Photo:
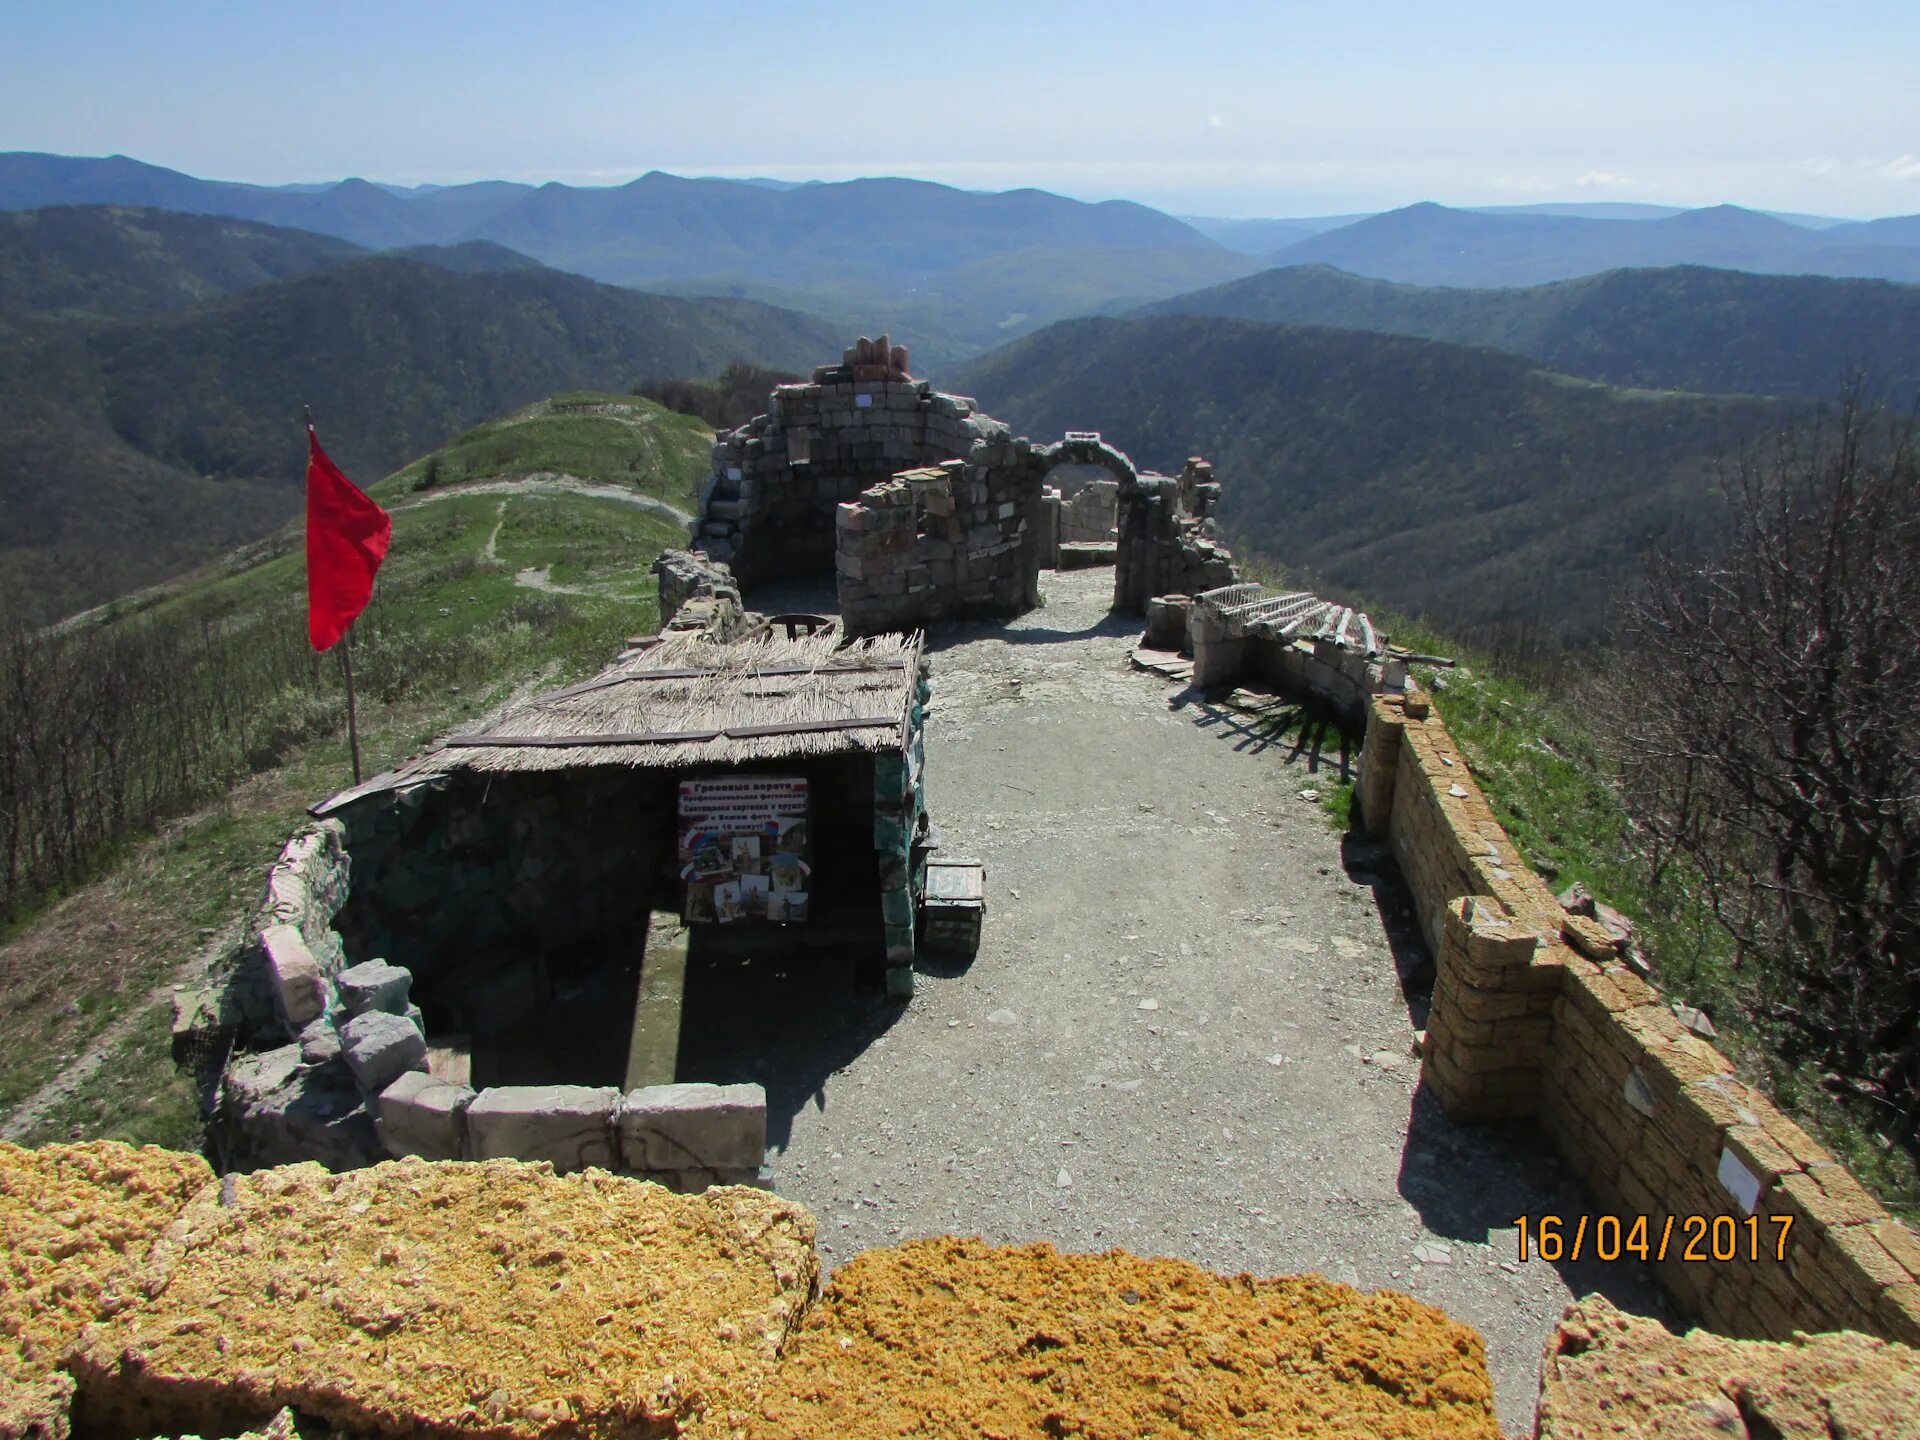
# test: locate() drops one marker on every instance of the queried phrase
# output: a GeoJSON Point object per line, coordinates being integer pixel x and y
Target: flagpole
{"type": "Point", "coordinates": [353, 721]}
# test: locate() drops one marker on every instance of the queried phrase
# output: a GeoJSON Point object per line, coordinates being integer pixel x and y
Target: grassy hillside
{"type": "Point", "coordinates": [1459, 483]}
{"type": "Point", "coordinates": [1687, 328]}
{"type": "Point", "coordinates": [132, 448]}
{"type": "Point", "coordinates": [516, 583]}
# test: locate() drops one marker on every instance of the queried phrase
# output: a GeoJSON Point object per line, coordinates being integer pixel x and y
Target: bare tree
{"type": "Point", "coordinates": [1773, 740]}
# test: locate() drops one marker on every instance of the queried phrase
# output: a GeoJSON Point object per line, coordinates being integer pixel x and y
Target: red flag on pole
{"type": "Point", "coordinates": [347, 537]}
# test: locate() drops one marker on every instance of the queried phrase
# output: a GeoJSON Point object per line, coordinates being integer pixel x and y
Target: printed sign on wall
{"type": "Point", "coordinates": [744, 849]}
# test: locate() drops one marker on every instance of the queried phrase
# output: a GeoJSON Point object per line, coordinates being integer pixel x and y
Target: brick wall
{"type": "Point", "coordinates": [1534, 1016]}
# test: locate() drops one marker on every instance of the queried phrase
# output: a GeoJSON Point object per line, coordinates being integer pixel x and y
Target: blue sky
{"type": "Point", "coordinates": [1200, 108]}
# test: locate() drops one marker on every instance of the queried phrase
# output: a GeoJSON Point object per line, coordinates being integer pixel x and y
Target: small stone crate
{"type": "Point", "coordinates": [954, 906]}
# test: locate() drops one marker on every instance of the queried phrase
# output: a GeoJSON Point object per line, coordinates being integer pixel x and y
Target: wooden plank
{"type": "Point", "coordinates": [664, 737]}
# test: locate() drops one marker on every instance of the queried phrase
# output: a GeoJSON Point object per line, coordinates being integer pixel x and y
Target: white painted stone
{"type": "Point", "coordinates": [374, 985]}
{"type": "Point", "coordinates": [1741, 1183]}
{"type": "Point", "coordinates": [1638, 1093]}
{"type": "Point", "coordinates": [299, 982]}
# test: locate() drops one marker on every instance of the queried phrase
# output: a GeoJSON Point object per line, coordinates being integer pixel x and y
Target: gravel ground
{"type": "Point", "coordinates": [1186, 1031]}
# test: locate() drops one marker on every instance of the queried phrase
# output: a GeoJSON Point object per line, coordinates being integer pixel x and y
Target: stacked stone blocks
{"type": "Point", "coordinates": [1535, 1015]}
{"type": "Point", "coordinates": [939, 542]}
{"type": "Point", "coordinates": [684, 1136]}
{"type": "Point", "coordinates": [768, 508]}
{"type": "Point", "coordinates": [899, 818]}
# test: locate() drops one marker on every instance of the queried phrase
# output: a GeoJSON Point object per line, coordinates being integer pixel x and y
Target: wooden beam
{"type": "Point", "coordinates": [665, 737]}
{"type": "Point", "coordinates": [692, 672]}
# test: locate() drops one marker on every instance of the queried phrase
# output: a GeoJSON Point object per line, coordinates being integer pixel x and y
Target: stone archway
{"type": "Point", "coordinates": [1086, 512]}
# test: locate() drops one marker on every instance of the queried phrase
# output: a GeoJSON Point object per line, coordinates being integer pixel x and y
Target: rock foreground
{"type": "Point", "coordinates": [140, 1296]}
{"type": "Point", "coordinates": [1607, 1374]}
{"type": "Point", "coordinates": [419, 1298]}
{"type": "Point", "coordinates": [956, 1337]}
{"type": "Point", "coordinates": [73, 1217]}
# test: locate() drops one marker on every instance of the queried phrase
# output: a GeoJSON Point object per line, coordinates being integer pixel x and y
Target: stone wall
{"type": "Point", "coordinates": [941, 542]}
{"type": "Point", "coordinates": [684, 1136]}
{"type": "Point", "coordinates": [1535, 1014]}
{"type": "Point", "coordinates": [1090, 516]}
{"type": "Point", "coordinates": [769, 508]}
{"type": "Point", "coordinates": [1164, 550]}
{"type": "Point", "coordinates": [458, 869]}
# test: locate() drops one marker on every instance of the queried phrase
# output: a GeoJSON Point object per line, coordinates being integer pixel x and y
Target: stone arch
{"type": "Point", "coordinates": [1086, 512]}
{"type": "Point", "coordinates": [1087, 448]}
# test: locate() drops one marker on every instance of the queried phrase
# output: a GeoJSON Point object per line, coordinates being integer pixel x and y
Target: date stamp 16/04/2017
{"type": "Point", "coordinates": [1701, 1239]}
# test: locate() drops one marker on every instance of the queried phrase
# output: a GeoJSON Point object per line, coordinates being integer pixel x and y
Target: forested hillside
{"type": "Point", "coordinates": [1686, 328]}
{"type": "Point", "coordinates": [1458, 483]}
{"type": "Point", "coordinates": [133, 448]}
{"type": "Point", "coordinates": [1428, 244]}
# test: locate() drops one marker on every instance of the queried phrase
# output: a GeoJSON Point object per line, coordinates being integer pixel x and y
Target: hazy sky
{"type": "Point", "coordinates": [1197, 107]}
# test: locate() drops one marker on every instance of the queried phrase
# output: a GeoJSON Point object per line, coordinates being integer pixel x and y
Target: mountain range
{"type": "Point", "coordinates": [1429, 244]}
{"type": "Point", "coordinates": [1685, 328]}
{"type": "Point", "coordinates": [954, 272]}
{"type": "Point", "coordinates": [949, 272]}
{"type": "Point", "coordinates": [1460, 484]}
{"type": "Point", "coordinates": [146, 429]}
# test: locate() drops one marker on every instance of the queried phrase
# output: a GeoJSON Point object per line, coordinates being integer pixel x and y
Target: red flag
{"type": "Point", "coordinates": [347, 536]}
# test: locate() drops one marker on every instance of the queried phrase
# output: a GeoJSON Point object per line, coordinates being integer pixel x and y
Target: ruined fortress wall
{"type": "Point", "coordinates": [1089, 517]}
{"type": "Point", "coordinates": [1534, 1015]}
{"type": "Point", "coordinates": [942, 542]}
{"type": "Point", "coordinates": [768, 510]}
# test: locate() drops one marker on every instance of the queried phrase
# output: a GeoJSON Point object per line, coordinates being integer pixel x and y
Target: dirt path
{"type": "Point", "coordinates": [550, 482]}
{"type": "Point", "coordinates": [22, 1119]}
{"type": "Point", "coordinates": [1185, 1033]}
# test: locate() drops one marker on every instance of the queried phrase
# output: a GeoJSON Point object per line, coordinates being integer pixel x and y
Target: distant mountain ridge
{"type": "Point", "coordinates": [1428, 244]}
{"type": "Point", "coordinates": [127, 261]}
{"type": "Point", "coordinates": [1464, 484]}
{"type": "Point", "coordinates": [1683, 328]}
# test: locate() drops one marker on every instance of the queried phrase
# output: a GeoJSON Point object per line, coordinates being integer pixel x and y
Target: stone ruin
{"type": "Point", "coordinates": [328, 1061]}
{"type": "Point", "coordinates": [923, 509]}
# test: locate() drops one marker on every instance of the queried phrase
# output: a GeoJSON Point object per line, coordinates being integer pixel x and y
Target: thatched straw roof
{"type": "Point", "coordinates": [687, 701]}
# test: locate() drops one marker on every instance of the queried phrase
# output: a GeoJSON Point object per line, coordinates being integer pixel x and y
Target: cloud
{"type": "Point", "coordinates": [1906, 167]}
{"type": "Point", "coordinates": [1603, 180]}
{"type": "Point", "coordinates": [1216, 122]}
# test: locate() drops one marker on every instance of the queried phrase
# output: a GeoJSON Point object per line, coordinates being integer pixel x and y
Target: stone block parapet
{"type": "Point", "coordinates": [1534, 1016]}
{"type": "Point", "coordinates": [685, 1136]}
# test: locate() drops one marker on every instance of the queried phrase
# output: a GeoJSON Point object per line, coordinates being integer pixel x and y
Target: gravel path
{"type": "Point", "coordinates": [1185, 1032]}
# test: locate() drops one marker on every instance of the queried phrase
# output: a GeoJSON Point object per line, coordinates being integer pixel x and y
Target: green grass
{"type": "Point", "coordinates": [1546, 778]}
{"type": "Point", "coordinates": [591, 435]}
{"type": "Point", "coordinates": [450, 633]}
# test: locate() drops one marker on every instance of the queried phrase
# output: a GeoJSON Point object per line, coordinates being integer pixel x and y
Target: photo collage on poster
{"type": "Point", "coordinates": [744, 849]}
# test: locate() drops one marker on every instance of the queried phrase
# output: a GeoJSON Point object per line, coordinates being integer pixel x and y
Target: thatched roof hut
{"type": "Point", "coordinates": [683, 701]}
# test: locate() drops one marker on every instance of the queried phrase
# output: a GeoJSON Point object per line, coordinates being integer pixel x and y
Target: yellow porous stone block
{"type": "Point", "coordinates": [420, 1299]}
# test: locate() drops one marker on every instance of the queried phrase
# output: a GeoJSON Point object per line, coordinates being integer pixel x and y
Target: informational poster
{"type": "Point", "coordinates": [744, 849]}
